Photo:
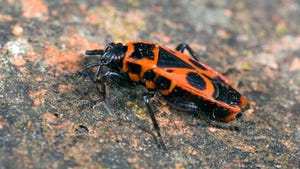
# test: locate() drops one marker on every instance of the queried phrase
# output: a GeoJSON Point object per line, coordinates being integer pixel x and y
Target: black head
{"type": "Point", "coordinates": [112, 55]}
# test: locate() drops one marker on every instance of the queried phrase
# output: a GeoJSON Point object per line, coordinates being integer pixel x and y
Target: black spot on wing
{"type": "Point", "coordinates": [227, 94]}
{"type": "Point", "coordinates": [196, 81]}
{"type": "Point", "coordinates": [134, 68]}
{"type": "Point", "coordinates": [216, 91]}
{"type": "Point", "coordinates": [223, 92]}
{"type": "Point", "coordinates": [170, 70]}
{"type": "Point", "coordinates": [215, 82]}
{"type": "Point", "coordinates": [162, 83]}
{"type": "Point", "coordinates": [136, 54]}
{"type": "Point", "coordinates": [142, 50]}
{"type": "Point", "coordinates": [167, 59]}
{"type": "Point", "coordinates": [149, 75]}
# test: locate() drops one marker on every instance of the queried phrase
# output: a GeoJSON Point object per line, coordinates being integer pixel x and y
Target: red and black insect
{"type": "Point", "coordinates": [183, 80]}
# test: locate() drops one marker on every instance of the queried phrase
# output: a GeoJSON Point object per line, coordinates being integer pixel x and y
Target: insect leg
{"type": "Point", "coordinates": [147, 99]}
{"type": "Point", "coordinates": [182, 46]}
{"type": "Point", "coordinates": [120, 78]}
{"type": "Point", "coordinates": [92, 77]}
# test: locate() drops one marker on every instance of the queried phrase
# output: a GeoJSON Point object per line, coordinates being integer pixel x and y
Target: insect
{"type": "Point", "coordinates": [181, 79]}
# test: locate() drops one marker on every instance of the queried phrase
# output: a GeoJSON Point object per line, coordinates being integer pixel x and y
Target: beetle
{"type": "Point", "coordinates": [181, 79]}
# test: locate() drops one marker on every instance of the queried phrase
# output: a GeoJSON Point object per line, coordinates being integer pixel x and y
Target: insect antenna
{"type": "Point", "coordinates": [94, 52]}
